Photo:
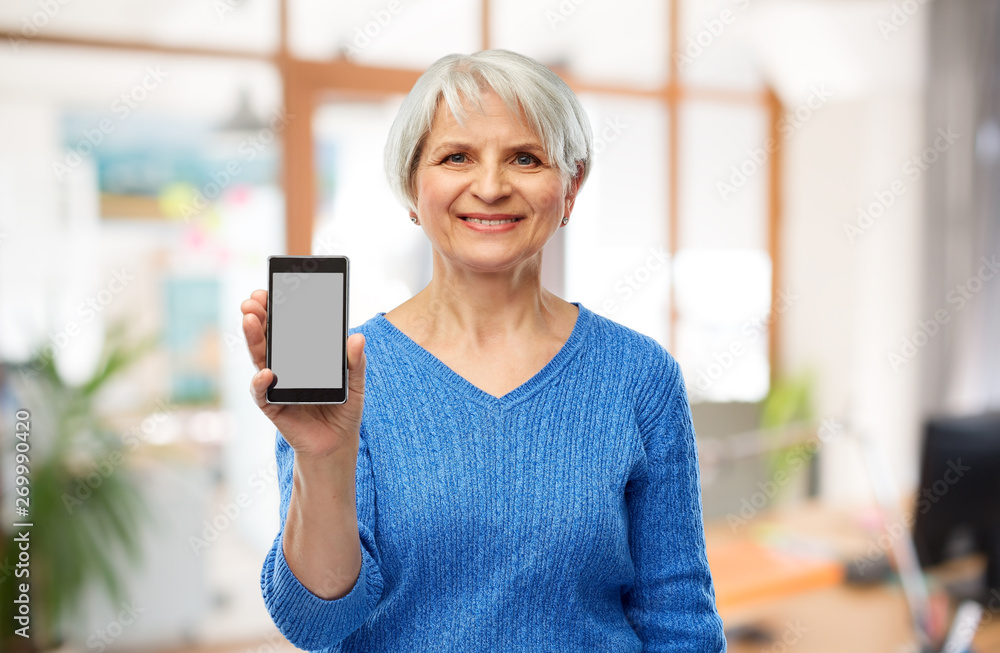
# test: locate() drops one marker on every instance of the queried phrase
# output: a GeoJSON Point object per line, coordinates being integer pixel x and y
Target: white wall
{"type": "Point", "coordinates": [857, 298]}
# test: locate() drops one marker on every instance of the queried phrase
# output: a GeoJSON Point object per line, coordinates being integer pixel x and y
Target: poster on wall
{"type": "Point", "coordinates": [163, 167]}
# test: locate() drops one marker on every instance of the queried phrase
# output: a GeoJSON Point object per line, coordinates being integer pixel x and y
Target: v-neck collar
{"type": "Point", "coordinates": [580, 330]}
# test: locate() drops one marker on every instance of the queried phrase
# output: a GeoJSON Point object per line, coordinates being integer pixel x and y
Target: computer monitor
{"type": "Point", "coordinates": [958, 502]}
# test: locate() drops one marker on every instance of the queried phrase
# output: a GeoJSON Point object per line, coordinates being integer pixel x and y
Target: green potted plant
{"type": "Point", "coordinates": [85, 505]}
{"type": "Point", "coordinates": [789, 401]}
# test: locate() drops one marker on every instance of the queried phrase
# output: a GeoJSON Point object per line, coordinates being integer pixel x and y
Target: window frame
{"type": "Point", "coordinates": [306, 83]}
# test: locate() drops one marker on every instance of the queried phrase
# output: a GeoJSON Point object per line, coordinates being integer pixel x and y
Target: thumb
{"type": "Point", "coordinates": [356, 362]}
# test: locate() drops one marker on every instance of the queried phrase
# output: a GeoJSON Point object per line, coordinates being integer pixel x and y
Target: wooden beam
{"type": "Point", "coordinates": [673, 166]}
{"type": "Point", "coordinates": [722, 96]}
{"type": "Point", "coordinates": [283, 39]}
{"type": "Point", "coordinates": [341, 73]}
{"type": "Point", "coordinates": [134, 46]}
{"type": "Point", "coordinates": [344, 75]}
{"type": "Point", "coordinates": [298, 168]}
{"type": "Point", "coordinates": [485, 24]}
{"type": "Point", "coordinates": [774, 211]}
{"type": "Point", "coordinates": [669, 92]}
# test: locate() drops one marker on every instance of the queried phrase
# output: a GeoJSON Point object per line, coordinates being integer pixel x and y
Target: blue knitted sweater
{"type": "Point", "coordinates": [563, 516]}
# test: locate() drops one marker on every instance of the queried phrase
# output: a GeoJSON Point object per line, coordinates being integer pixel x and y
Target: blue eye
{"type": "Point", "coordinates": [526, 159]}
{"type": "Point", "coordinates": [451, 158]}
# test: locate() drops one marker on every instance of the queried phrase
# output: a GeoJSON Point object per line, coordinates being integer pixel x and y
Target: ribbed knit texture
{"type": "Point", "coordinates": [563, 516]}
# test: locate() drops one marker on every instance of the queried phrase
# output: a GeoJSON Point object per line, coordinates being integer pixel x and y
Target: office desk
{"type": "Point", "coordinates": [830, 617]}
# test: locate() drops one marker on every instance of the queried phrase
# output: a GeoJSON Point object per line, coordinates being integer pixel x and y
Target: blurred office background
{"type": "Point", "coordinates": [796, 197]}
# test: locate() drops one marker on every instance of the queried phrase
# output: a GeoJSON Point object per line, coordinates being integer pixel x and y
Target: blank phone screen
{"type": "Point", "coordinates": [307, 323]}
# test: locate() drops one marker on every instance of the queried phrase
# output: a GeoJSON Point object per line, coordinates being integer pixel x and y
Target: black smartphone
{"type": "Point", "coordinates": [307, 329]}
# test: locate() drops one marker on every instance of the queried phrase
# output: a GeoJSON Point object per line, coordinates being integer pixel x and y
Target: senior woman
{"type": "Point", "coordinates": [511, 471]}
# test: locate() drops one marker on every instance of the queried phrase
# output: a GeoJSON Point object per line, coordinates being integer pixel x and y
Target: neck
{"type": "Point", "coordinates": [486, 307]}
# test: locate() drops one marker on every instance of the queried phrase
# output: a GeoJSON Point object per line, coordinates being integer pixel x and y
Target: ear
{"type": "Point", "coordinates": [574, 188]}
{"type": "Point", "coordinates": [413, 214]}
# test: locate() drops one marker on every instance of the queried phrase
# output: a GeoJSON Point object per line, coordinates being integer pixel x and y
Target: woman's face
{"type": "Point", "coordinates": [494, 168]}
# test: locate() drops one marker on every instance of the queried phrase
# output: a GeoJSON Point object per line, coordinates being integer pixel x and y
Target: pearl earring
{"type": "Point", "coordinates": [565, 220]}
{"type": "Point", "coordinates": [414, 220]}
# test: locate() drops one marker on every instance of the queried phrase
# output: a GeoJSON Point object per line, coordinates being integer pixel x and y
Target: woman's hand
{"type": "Point", "coordinates": [314, 431]}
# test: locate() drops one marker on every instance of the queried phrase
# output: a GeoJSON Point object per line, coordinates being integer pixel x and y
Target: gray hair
{"type": "Point", "coordinates": [552, 109]}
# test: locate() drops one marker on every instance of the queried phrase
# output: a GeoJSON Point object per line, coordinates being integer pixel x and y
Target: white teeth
{"type": "Point", "coordinates": [478, 221]}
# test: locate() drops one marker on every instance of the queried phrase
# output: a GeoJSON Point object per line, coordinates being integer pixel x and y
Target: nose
{"type": "Point", "coordinates": [490, 183]}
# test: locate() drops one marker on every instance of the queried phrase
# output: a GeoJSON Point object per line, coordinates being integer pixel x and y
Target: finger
{"type": "Point", "coordinates": [258, 388]}
{"type": "Point", "coordinates": [260, 296]}
{"type": "Point", "coordinates": [356, 363]}
{"type": "Point", "coordinates": [253, 307]}
{"type": "Point", "coordinates": [253, 332]}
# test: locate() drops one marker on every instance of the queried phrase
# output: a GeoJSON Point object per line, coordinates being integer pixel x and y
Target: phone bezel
{"type": "Point", "coordinates": [279, 264]}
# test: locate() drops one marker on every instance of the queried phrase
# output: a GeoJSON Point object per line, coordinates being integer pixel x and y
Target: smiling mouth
{"type": "Point", "coordinates": [489, 222]}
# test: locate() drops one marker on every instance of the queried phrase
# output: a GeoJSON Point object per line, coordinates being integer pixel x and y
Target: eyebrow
{"type": "Point", "coordinates": [519, 147]}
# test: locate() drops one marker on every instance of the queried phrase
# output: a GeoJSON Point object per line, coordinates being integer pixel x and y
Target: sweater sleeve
{"type": "Point", "coordinates": [306, 620]}
{"type": "Point", "coordinates": [671, 605]}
